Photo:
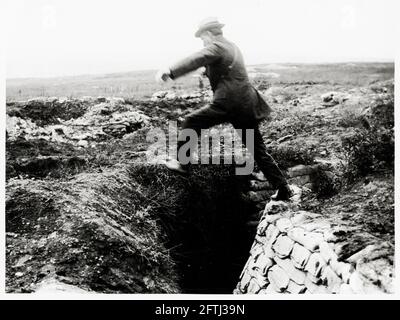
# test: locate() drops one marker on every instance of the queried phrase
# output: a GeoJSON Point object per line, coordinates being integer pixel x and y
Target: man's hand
{"type": "Point", "coordinates": [163, 75]}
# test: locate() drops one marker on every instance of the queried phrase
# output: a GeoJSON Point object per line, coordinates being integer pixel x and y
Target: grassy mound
{"type": "Point", "coordinates": [43, 112]}
{"type": "Point", "coordinates": [90, 232]}
{"type": "Point", "coordinates": [371, 149]}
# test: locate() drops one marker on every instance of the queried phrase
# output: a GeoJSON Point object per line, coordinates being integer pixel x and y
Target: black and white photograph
{"type": "Point", "coordinates": [236, 149]}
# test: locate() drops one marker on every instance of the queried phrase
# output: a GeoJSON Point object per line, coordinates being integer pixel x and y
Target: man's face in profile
{"type": "Point", "coordinates": [206, 37]}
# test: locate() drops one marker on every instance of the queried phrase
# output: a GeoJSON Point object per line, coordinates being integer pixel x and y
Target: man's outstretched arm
{"type": "Point", "coordinates": [208, 55]}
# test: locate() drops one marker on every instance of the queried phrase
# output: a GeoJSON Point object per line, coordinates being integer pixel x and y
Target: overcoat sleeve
{"type": "Point", "coordinates": [206, 56]}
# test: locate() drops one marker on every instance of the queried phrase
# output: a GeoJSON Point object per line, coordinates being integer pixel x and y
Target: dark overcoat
{"type": "Point", "coordinates": [229, 81]}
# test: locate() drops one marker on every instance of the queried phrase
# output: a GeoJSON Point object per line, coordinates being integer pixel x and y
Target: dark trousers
{"type": "Point", "coordinates": [212, 114]}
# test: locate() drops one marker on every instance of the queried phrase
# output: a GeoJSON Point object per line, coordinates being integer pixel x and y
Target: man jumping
{"type": "Point", "coordinates": [235, 100]}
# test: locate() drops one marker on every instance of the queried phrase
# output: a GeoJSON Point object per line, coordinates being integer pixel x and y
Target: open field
{"type": "Point", "coordinates": [141, 84]}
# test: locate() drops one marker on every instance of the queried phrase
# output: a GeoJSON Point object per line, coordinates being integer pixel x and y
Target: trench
{"type": "Point", "coordinates": [211, 238]}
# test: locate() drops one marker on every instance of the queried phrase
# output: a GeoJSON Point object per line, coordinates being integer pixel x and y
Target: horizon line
{"type": "Point", "coordinates": [147, 70]}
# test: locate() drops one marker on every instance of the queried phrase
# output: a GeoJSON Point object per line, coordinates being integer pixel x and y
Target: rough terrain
{"type": "Point", "coordinates": [88, 210]}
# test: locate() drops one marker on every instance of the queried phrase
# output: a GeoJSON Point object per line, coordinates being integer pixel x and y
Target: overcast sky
{"type": "Point", "coordinates": [70, 37]}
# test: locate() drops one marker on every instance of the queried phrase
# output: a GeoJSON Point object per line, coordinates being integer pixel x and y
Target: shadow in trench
{"type": "Point", "coordinates": [212, 242]}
